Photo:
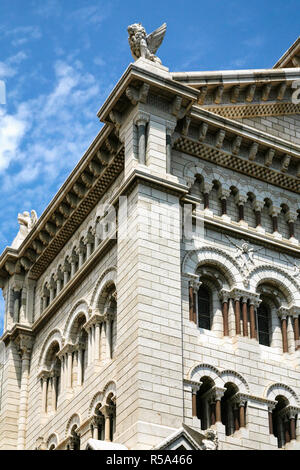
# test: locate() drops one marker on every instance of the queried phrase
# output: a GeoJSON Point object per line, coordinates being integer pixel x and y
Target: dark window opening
{"type": "Point", "coordinates": [204, 308]}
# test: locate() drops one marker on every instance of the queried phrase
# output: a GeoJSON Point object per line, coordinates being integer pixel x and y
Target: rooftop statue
{"type": "Point", "coordinates": [145, 46]}
{"type": "Point", "coordinates": [26, 222]}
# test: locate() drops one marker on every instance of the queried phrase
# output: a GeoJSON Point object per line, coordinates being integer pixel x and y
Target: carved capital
{"type": "Point", "coordinates": [141, 118]}
{"type": "Point", "coordinates": [24, 343]}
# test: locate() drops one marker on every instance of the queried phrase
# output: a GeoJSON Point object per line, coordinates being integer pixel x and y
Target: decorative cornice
{"type": "Point", "coordinates": [71, 205]}
{"type": "Point", "coordinates": [241, 165]}
{"type": "Point", "coordinates": [255, 110]}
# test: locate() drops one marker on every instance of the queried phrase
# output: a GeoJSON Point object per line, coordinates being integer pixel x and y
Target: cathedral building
{"type": "Point", "coordinates": [155, 303]}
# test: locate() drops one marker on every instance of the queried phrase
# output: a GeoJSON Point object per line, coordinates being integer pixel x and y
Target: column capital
{"type": "Point", "coordinates": [195, 387]}
{"type": "Point", "coordinates": [170, 127]}
{"type": "Point", "coordinates": [96, 420]}
{"type": "Point", "coordinates": [292, 411]}
{"type": "Point", "coordinates": [66, 349]}
{"type": "Point", "coordinates": [254, 300]}
{"type": "Point", "coordinates": [223, 193]}
{"type": "Point", "coordinates": [258, 205]}
{"type": "Point", "coordinates": [141, 118]}
{"type": "Point", "coordinates": [24, 343]}
{"type": "Point", "coordinates": [291, 216]}
{"type": "Point", "coordinates": [96, 318]}
{"type": "Point", "coordinates": [107, 410]}
{"type": "Point", "coordinates": [274, 211]}
{"type": "Point", "coordinates": [224, 295]}
{"type": "Point", "coordinates": [219, 392]}
{"type": "Point", "coordinates": [66, 267]}
{"type": "Point", "coordinates": [239, 399]}
{"type": "Point", "coordinates": [43, 374]}
{"type": "Point", "coordinates": [241, 199]}
{"type": "Point", "coordinates": [195, 284]}
{"type": "Point", "coordinates": [207, 187]}
{"type": "Point", "coordinates": [283, 313]}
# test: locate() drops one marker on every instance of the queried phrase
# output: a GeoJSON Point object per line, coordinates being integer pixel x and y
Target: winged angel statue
{"type": "Point", "coordinates": [26, 222]}
{"type": "Point", "coordinates": [145, 46]}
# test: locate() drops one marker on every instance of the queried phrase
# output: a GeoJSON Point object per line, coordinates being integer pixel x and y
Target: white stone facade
{"type": "Point", "coordinates": [104, 336]}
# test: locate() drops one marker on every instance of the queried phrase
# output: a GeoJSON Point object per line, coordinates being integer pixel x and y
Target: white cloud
{"type": "Point", "coordinates": [47, 135]}
{"type": "Point", "coordinates": [23, 34]}
{"type": "Point", "coordinates": [12, 130]}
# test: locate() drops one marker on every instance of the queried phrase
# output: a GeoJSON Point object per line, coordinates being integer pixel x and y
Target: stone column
{"type": "Point", "coordinates": [219, 392]}
{"type": "Point", "coordinates": [206, 189]}
{"type": "Point", "coordinates": [67, 269]}
{"type": "Point", "coordinates": [17, 298]}
{"type": "Point", "coordinates": [69, 369]}
{"type": "Point", "coordinates": [63, 371]}
{"type": "Point", "coordinates": [54, 390]}
{"type": "Point", "coordinates": [291, 217]}
{"type": "Point", "coordinates": [25, 347]}
{"type": "Point", "coordinates": [257, 207]}
{"type": "Point", "coordinates": [169, 132]}
{"type": "Point", "coordinates": [270, 417]}
{"type": "Point", "coordinates": [274, 212]}
{"type": "Point", "coordinates": [290, 334]}
{"type": "Point", "coordinates": [195, 389]}
{"type": "Point", "coordinates": [245, 316]}
{"type": "Point", "coordinates": [253, 333]}
{"type": "Point", "coordinates": [44, 379]}
{"type": "Point", "coordinates": [193, 291]}
{"type": "Point", "coordinates": [90, 339]}
{"type": "Point", "coordinates": [283, 318]}
{"type": "Point", "coordinates": [237, 313]}
{"type": "Point", "coordinates": [89, 240]}
{"type": "Point", "coordinates": [191, 303]}
{"type": "Point", "coordinates": [108, 320]}
{"type": "Point", "coordinates": [241, 200]}
{"type": "Point", "coordinates": [224, 195]}
{"type": "Point", "coordinates": [242, 413]}
{"type": "Point", "coordinates": [296, 332]}
{"type": "Point", "coordinates": [107, 412]}
{"type": "Point", "coordinates": [141, 122]}
{"type": "Point", "coordinates": [97, 340]}
{"type": "Point", "coordinates": [81, 255]}
{"type": "Point", "coordinates": [236, 417]}
{"type": "Point", "coordinates": [59, 281]}
{"type": "Point", "coordinates": [74, 258]}
{"type": "Point", "coordinates": [79, 365]}
{"type": "Point", "coordinates": [52, 289]}
{"type": "Point", "coordinates": [224, 299]}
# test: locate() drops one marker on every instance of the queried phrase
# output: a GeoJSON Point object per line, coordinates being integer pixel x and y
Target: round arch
{"type": "Point", "coordinates": [81, 307]}
{"type": "Point", "coordinates": [108, 277]}
{"type": "Point", "coordinates": [276, 389]}
{"type": "Point", "coordinates": [215, 257]}
{"type": "Point", "coordinates": [234, 377]}
{"type": "Point", "coordinates": [97, 399]}
{"type": "Point", "coordinates": [52, 440]}
{"type": "Point", "coordinates": [202, 370]}
{"type": "Point", "coordinates": [53, 337]}
{"type": "Point", "coordinates": [286, 283]}
{"type": "Point", "coordinates": [110, 389]}
{"type": "Point", "coordinates": [74, 420]}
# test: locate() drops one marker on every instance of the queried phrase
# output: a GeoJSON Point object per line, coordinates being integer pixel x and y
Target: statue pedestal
{"type": "Point", "coordinates": [154, 67]}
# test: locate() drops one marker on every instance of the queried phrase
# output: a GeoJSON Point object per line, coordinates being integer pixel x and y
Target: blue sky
{"type": "Point", "coordinates": [60, 58]}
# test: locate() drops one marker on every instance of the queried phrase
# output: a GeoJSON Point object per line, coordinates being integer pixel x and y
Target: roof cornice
{"type": "Point", "coordinates": [290, 57]}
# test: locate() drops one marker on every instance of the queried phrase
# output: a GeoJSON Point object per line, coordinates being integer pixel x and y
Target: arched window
{"type": "Point", "coordinates": [204, 409]}
{"type": "Point", "coordinates": [74, 440]}
{"type": "Point", "coordinates": [51, 382]}
{"type": "Point", "coordinates": [79, 339]}
{"type": "Point", "coordinates": [204, 307]}
{"type": "Point", "coordinates": [264, 324]}
{"type": "Point", "coordinates": [280, 422]}
{"type": "Point", "coordinates": [230, 410]}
